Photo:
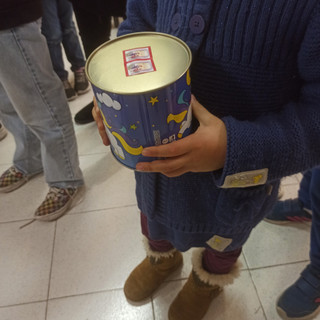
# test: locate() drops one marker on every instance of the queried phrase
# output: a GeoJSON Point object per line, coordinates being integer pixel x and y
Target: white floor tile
{"type": "Point", "coordinates": [22, 203]}
{"type": "Point", "coordinates": [299, 176]}
{"type": "Point", "coordinates": [270, 244]}
{"type": "Point", "coordinates": [7, 147]}
{"type": "Point", "coordinates": [100, 306]}
{"type": "Point", "coordinates": [80, 102]}
{"type": "Point", "coordinates": [290, 180]}
{"type": "Point", "coordinates": [290, 191]}
{"type": "Point", "coordinates": [25, 262]}
{"type": "Point", "coordinates": [271, 282]}
{"type": "Point", "coordinates": [163, 297]}
{"type": "Point", "coordinates": [89, 141]}
{"type": "Point", "coordinates": [108, 183]}
{"type": "Point", "coordinates": [32, 311]}
{"type": "Point", "coordinates": [95, 251]}
{"type": "Point", "coordinates": [237, 301]}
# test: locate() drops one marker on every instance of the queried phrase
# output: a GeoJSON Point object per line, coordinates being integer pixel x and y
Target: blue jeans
{"type": "Point", "coordinates": [58, 28]}
{"type": "Point", "coordinates": [33, 107]}
{"type": "Point", "coordinates": [309, 195]}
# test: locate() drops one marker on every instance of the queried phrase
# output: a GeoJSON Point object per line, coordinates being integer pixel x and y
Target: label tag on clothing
{"type": "Point", "coordinates": [219, 243]}
{"type": "Point", "coordinates": [246, 179]}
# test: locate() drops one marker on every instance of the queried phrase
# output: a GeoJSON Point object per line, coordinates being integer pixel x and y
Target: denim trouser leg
{"type": "Point", "coordinates": [38, 97]}
{"type": "Point", "coordinates": [58, 28]}
{"type": "Point", "coordinates": [27, 156]}
{"type": "Point", "coordinates": [315, 226]}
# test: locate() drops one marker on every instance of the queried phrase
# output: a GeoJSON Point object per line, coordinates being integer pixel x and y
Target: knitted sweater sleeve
{"type": "Point", "coordinates": [141, 16]}
{"type": "Point", "coordinates": [284, 142]}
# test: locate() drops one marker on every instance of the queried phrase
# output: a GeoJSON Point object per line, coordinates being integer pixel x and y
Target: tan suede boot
{"type": "Point", "coordinates": [151, 273]}
{"type": "Point", "coordinates": [193, 301]}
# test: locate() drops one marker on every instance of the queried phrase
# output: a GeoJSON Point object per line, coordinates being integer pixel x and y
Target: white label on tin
{"type": "Point", "coordinates": [138, 60]}
{"type": "Point", "coordinates": [157, 138]}
{"type": "Point", "coordinates": [170, 139]}
{"type": "Point", "coordinates": [158, 141]}
{"type": "Point", "coordinates": [138, 54]}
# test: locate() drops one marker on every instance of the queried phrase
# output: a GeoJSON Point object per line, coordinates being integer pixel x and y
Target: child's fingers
{"type": "Point", "coordinates": [197, 109]}
{"type": "Point", "coordinates": [173, 149]}
{"type": "Point", "coordinates": [99, 121]}
{"type": "Point", "coordinates": [169, 167]}
{"type": "Point", "coordinates": [200, 113]}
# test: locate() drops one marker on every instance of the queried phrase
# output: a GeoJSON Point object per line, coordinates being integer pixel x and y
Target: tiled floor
{"type": "Point", "coordinates": [75, 268]}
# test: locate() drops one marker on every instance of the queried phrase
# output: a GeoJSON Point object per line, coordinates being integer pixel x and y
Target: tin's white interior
{"type": "Point", "coordinates": [106, 66]}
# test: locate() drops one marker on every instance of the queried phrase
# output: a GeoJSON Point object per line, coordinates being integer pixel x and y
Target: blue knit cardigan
{"type": "Point", "coordinates": [256, 66]}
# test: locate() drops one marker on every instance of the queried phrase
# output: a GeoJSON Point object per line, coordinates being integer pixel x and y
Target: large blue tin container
{"type": "Point", "coordinates": [142, 85]}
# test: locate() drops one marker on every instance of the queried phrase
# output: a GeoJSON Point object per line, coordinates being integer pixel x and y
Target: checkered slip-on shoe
{"type": "Point", "coordinates": [57, 202]}
{"type": "Point", "coordinates": [287, 211]}
{"type": "Point", "coordinates": [12, 179]}
{"type": "Point", "coordinates": [301, 301]}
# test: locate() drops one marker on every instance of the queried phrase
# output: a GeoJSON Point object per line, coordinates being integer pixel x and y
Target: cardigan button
{"type": "Point", "coordinates": [176, 21]}
{"type": "Point", "coordinates": [197, 24]}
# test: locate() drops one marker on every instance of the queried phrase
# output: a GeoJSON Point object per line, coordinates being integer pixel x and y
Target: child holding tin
{"type": "Point", "coordinates": [256, 77]}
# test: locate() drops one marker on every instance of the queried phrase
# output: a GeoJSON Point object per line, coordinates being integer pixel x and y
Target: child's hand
{"type": "Point", "coordinates": [99, 121]}
{"type": "Point", "coordinates": [205, 150]}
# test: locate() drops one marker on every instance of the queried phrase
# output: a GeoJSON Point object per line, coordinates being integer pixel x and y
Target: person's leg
{"type": "Point", "coordinates": [155, 245]}
{"type": "Point", "coordinates": [37, 95]}
{"type": "Point", "coordinates": [293, 210]}
{"type": "Point", "coordinates": [211, 271]}
{"type": "Point", "coordinates": [219, 262]}
{"type": "Point", "coordinates": [70, 39]}
{"type": "Point", "coordinates": [161, 261]}
{"type": "Point", "coordinates": [51, 29]}
{"type": "Point", "coordinates": [27, 156]}
{"type": "Point", "coordinates": [94, 28]}
{"type": "Point", "coordinates": [302, 299]}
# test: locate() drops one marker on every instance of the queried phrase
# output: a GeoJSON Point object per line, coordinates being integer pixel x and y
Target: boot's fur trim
{"type": "Point", "coordinates": [211, 278]}
{"type": "Point", "coordinates": [157, 255]}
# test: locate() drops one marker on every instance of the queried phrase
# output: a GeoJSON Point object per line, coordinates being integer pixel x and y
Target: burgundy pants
{"type": "Point", "coordinates": [212, 261]}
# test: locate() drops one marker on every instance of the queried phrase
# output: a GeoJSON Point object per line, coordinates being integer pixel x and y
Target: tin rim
{"type": "Point", "coordinates": [185, 46]}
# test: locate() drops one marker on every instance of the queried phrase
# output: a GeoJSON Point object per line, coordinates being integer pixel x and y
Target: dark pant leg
{"type": "Point", "coordinates": [70, 39]}
{"type": "Point", "coordinates": [94, 28]}
{"type": "Point", "coordinates": [219, 262]}
{"type": "Point", "coordinates": [51, 29]}
{"type": "Point", "coordinates": [155, 245]}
